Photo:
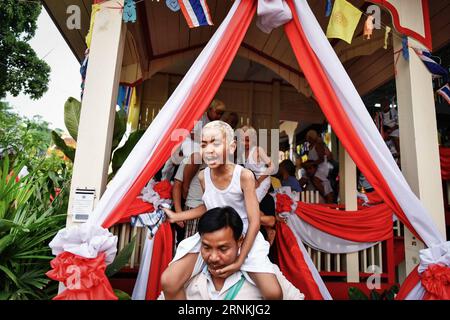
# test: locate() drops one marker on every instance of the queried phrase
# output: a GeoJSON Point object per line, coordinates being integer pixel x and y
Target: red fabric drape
{"type": "Point", "coordinates": [138, 206]}
{"type": "Point", "coordinates": [444, 154]}
{"type": "Point", "coordinates": [195, 104]}
{"type": "Point", "coordinates": [162, 255]}
{"type": "Point", "coordinates": [371, 224]}
{"type": "Point", "coordinates": [293, 265]}
{"type": "Point", "coordinates": [409, 284]}
{"type": "Point", "coordinates": [336, 116]}
{"type": "Point", "coordinates": [84, 278]}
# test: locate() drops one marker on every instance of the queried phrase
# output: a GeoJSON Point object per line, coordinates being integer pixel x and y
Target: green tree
{"type": "Point", "coordinates": [21, 70]}
{"type": "Point", "coordinates": [29, 139]}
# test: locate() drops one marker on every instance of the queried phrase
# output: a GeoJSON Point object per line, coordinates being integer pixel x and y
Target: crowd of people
{"type": "Point", "coordinates": [221, 166]}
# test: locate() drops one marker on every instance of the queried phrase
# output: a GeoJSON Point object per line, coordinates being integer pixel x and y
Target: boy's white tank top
{"type": "Point", "coordinates": [232, 195]}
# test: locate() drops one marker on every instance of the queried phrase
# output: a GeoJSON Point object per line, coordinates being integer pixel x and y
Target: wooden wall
{"type": "Point", "coordinates": [255, 103]}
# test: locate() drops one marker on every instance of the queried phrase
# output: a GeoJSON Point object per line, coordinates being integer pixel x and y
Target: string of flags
{"type": "Point", "coordinates": [344, 19]}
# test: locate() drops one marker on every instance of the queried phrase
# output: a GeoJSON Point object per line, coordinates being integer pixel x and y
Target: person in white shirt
{"type": "Point", "coordinates": [221, 238]}
{"type": "Point", "coordinates": [390, 119]}
{"type": "Point", "coordinates": [193, 196]}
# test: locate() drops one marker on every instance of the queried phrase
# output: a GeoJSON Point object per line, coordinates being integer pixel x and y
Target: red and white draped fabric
{"type": "Point", "coordinates": [339, 101]}
{"type": "Point", "coordinates": [345, 111]}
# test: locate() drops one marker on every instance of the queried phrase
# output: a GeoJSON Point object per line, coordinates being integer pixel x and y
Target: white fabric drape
{"type": "Point", "coordinates": [272, 14]}
{"type": "Point", "coordinates": [323, 241]}
{"type": "Point", "coordinates": [364, 125]}
{"type": "Point", "coordinates": [318, 279]}
{"type": "Point", "coordinates": [149, 142]}
{"type": "Point", "coordinates": [356, 111]}
{"type": "Point", "coordinates": [140, 287]}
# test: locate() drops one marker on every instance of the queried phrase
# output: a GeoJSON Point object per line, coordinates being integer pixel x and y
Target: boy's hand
{"type": "Point", "coordinates": [171, 216]}
{"type": "Point", "coordinates": [227, 271]}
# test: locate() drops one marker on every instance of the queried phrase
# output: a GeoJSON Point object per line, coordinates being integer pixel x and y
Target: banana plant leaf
{"type": "Point", "coordinates": [121, 259]}
{"type": "Point", "coordinates": [61, 144]}
{"type": "Point", "coordinates": [72, 111]}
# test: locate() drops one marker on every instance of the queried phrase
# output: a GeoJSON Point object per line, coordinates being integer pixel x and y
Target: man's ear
{"type": "Point", "coordinates": [240, 241]}
{"type": "Point", "coordinates": [233, 146]}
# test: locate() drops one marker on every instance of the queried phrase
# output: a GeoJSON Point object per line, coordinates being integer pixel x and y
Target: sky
{"type": "Point", "coordinates": [65, 79]}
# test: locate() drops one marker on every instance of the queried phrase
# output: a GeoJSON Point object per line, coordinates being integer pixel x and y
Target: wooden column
{"type": "Point", "coordinates": [418, 142]}
{"type": "Point", "coordinates": [98, 106]}
{"type": "Point", "coordinates": [348, 196]}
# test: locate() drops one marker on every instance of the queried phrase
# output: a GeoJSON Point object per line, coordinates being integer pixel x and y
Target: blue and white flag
{"type": "Point", "coordinates": [196, 12]}
{"type": "Point", "coordinates": [435, 68]}
{"type": "Point", "coordinates": [444, 92]}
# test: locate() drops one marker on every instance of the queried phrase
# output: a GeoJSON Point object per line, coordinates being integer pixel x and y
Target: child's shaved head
{"type": "Point", "coordinates": [224, 127]}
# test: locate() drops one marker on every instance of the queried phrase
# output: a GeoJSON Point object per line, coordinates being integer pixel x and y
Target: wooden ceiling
{"type": "Point", "coordinates": [160, 33]}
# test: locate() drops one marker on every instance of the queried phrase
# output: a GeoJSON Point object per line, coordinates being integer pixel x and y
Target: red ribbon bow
{"type": "Point", "coordinates": [84, 278]}
{"type": "Point", "coordinates": [436, 280]}
{"type": "Point", "coordinates": [164, 189]}
{"type": "Point", "coordinates": [284, 203]}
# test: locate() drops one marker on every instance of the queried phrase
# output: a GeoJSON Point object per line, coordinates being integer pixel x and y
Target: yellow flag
{"type": "Point", "coordinates": [343, 21]}
{"type": "Point", "coordinates": [95, 8]}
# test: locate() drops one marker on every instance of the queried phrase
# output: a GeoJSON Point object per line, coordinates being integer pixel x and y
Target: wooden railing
{"type": "Point", "coordinates": [125, 233]}
{"type": "Point", "coordinates": [378, 259]}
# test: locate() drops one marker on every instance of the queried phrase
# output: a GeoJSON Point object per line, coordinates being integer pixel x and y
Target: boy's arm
{"type": "Point", "coordinates": [176, 195]}
{"type": "Point", "coordinates": [195, 213]}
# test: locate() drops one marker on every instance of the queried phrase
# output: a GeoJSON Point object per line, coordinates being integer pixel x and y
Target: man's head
{"type": "Point", "coordinates": [287, 168]}
{"type": "Point", "coordinates": [385, 105]}
{"type": "Point", "coordinates": [386, 132]}
{"type": "Point", "coordinates": [232, 119]}
{"type": "Point", "coordinates": [249, 137]}
{"type": "Point", "coordinates": [310, 168]}
{"type": "Point", "coordinates": [216, 110]}
{"type": "Point", "coordinates": [218, 143]}
{"type": "Point", "coordinates": [220, 230]}
{"type": "Point", "coordinates": [312, 136]}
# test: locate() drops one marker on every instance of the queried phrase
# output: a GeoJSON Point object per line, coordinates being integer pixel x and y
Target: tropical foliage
{"type": "Point", "coordinates": [72, 111]}
{"type": "Point", "coordinates": [34, 187]}
{"type": "Point", "coordinates": [32, 210]}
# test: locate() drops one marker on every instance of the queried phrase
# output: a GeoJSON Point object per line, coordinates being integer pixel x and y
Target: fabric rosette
{"type": "Point", "coordinates": [434, 271]}
{"type": "Point", "coordinates": [84, 278]}
{"type": "Point", "coordinates": [283, 203]}
{"type": "Point", "coordinates": [82, 253]}
{"type": "Point", "coordinates": [157, 193]}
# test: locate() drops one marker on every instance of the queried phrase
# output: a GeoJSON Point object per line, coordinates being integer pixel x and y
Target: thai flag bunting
{"type": "Point", "coordinates": [435, 68]}
{"type": "Point", "coordinates": [196, 12]}
{"type": "Point", "coordinates": [444, 92]}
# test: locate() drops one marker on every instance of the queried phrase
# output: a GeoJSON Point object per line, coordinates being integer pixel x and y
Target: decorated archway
{"type": "Point", "coordinates": [343, 109]}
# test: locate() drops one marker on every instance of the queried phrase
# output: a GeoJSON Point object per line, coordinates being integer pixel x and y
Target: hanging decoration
{"type": "Point", "coordinates": [405, 51]}
{"type": "Point", "coordinates": [344, 20]}
{"type": "Point", "coordinates": [173, 5]}
{"type": "Point", "coordinates": [368, 27]}
{"type": "Point", "coordinates": [386, 37]}
{"type": "Point", "coordinates": [95, 9]}
{"type": "Point", "coordinates": [328, 8]}
{"type": "Point", "coordinates": [129, 11]}
{"type": "Point", "coordinates": [436, 70]}
{"type": "Point", "coordinates": [83, 71]}
{"type": "Point", "coordinates": [196, 13]}
{"type": "Point", "coordinates": [444, 92]}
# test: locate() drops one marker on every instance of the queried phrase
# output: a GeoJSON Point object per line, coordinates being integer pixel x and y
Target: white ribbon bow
{"type": "Point", "coordinates": [272, 14]}
{"type": "Point", "coordinates": [439, 254]}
